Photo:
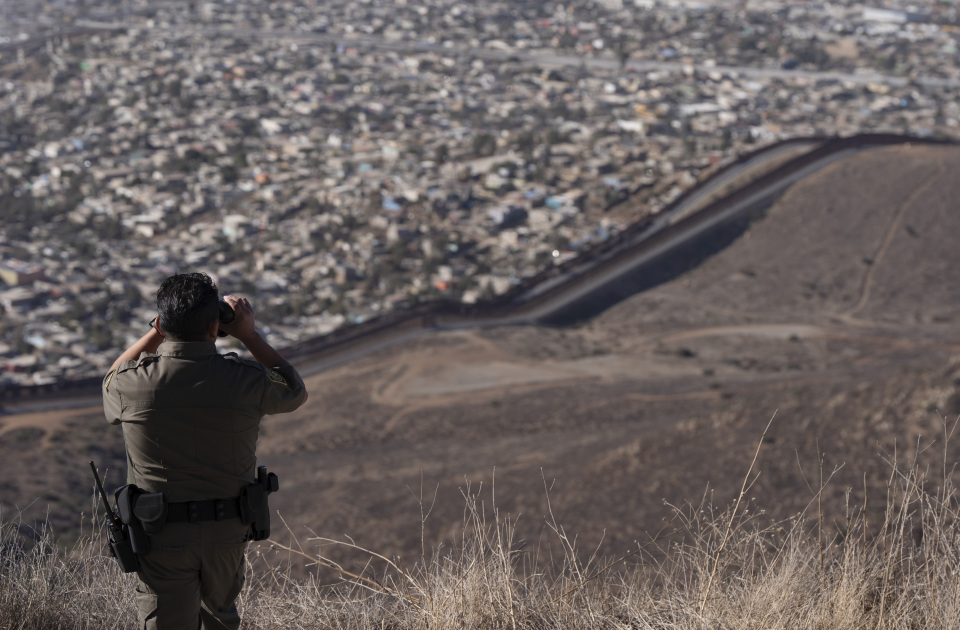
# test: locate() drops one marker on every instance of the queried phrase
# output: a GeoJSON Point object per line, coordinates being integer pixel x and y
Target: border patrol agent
{"type": "Point", "coordinates": [190, 420]}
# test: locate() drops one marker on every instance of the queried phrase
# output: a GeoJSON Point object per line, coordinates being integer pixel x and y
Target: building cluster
{"type": "Point", "coordinates": [341, 162]}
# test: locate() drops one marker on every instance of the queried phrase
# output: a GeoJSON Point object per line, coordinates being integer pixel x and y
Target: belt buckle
{"type": "Point", "coordinates": [193, 511]}
{"type": "Point", "coordinates": [219, 509]}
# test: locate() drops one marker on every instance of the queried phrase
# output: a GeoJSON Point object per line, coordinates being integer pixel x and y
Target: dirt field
{"type": "Point", "coordinates": [836, 315]}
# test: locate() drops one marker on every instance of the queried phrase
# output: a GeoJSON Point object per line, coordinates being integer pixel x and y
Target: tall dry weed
{"type": "Point", "coordinates": [46, 587]}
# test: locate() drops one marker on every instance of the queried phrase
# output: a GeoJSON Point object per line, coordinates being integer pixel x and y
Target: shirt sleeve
{"type": "Point", "coordinates": [284, 390]}
{"type": "Point", "coordinates": [111, 398]}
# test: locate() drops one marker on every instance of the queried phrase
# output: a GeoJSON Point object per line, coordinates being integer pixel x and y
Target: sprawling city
{"type": "Point", "coordinates": [341, 163]}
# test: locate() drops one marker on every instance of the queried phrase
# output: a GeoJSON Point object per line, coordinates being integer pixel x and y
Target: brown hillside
{"type": "Point", "coordinates": [837, 312]}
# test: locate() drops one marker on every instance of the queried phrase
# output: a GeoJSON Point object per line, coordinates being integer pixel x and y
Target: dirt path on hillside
{"type": "Point", "coordinates": [471, 368]}
{"type": "Point", "coordinates": [892, 229]}
{"type": "Point", "coordinates": [46, 421]}
{"type": "Point", "coordinates": [464, 367]}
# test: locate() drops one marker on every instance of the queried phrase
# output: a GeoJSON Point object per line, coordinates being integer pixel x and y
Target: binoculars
{"type": "Point", "coordinates": [225, 315]}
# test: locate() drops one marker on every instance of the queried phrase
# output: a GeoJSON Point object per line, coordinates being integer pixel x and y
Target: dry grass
{"type": "Point", "coordinates": [734, 568]}
{"type": "Point", "coordinates": [45, 587]}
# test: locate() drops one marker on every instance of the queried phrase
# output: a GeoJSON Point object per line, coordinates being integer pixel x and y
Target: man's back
{"type": "Point", "coordinates": [191, 418]}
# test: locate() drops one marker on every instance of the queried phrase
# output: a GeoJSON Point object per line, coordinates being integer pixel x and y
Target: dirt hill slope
{"type": "Point", "coordinates": [837, 312]}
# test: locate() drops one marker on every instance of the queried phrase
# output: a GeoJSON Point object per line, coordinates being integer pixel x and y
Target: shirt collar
{"type": "Point", "coordinates": [187, 349]}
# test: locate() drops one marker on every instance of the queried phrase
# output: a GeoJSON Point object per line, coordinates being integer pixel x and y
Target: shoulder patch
{"type": "Point", "coordinates": [276, 378]}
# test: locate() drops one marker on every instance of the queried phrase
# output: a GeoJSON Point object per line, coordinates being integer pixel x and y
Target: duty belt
{"type": "Point", "coordinates": [196, 511]}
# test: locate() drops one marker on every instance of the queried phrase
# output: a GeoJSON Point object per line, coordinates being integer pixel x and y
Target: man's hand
{"type": "Point", "coordinates": [243, 326]}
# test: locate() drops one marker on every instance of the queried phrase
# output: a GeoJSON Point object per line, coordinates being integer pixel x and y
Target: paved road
{"type": "Point", "coordinates": [539, 57]}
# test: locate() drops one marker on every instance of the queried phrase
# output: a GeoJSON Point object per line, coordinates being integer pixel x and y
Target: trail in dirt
{"type": "Point", "coordinates": [46, 421]}
{"type": "Point", "coordinates": [892, 230]}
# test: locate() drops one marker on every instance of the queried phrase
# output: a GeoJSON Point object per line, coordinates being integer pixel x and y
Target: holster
{"type": "Point", "coordinates": [142, 513]}
{"type": "Point", "coordinates": [254, 507]}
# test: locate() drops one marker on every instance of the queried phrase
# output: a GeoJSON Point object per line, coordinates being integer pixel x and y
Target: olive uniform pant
{"type": "Point", "coordinates": [190, 587]}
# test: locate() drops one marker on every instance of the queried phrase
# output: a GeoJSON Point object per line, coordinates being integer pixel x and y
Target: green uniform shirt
{"type": "Point", "coordinates": [191, 417]}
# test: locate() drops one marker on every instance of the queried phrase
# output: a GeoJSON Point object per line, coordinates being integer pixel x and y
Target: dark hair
{"type": "Point", "coordinates": [186, 304]}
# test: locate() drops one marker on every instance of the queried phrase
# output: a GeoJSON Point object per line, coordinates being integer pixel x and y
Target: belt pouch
{"type": "Point", "coordinates": [151, 510]}
{"type": "Point", "coordinates": [126, 497]}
